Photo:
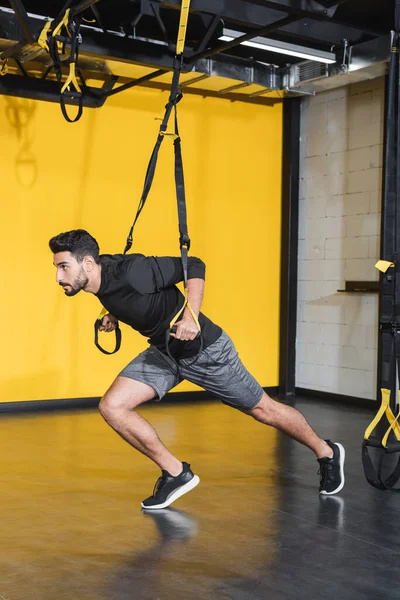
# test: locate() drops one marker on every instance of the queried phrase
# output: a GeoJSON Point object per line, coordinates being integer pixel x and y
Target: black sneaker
{"type": "Point", "coordinates": [331, 470]}
{"type": "Point", "coordinates": [169, 488]}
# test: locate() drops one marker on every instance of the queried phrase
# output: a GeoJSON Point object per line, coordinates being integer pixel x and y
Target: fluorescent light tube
{"type": "Point", "coordinates": [281, 47]}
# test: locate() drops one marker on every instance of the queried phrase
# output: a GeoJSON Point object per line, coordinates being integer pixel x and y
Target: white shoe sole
{"type": "Point", "coordinates": [179, 492]}
{"type": "Point", "coordinates": [342, 457]}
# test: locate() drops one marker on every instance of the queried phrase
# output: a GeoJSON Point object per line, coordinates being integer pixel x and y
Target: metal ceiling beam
{"type": "Point", "coordinates": [97, 49]}
{"type": "Point", "coordinates": [110, 47]}
{"type": "Point", "coordinates": [27, 49]}
{"type": "Point", "coordinates": [41, 89]}
{"type": "Point", "coordinates": [135, 82]}
{"type": "Point", "coordinates": [23, 19]}
{"type": "Point", "coordinates": [49, 91]}
{"type": "Point", "coordinates": [243, 38]}
{"type": "Point", "coordinates": [81, 6]}
{"type": "Point", "coordinates": [214, 94]}
{"type": "Point", "coordinates": [126, 50]}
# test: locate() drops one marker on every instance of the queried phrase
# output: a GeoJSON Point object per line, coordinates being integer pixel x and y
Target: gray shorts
{"type": "Point", "coordinates": [218, 369]}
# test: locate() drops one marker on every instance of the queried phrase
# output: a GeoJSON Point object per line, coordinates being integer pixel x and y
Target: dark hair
{"type": "Point", "coordinates": [78, 241]}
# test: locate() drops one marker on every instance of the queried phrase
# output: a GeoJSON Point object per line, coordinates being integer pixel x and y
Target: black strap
{"type": "Point", "coordinates": [184, 240]}
{"type": "Point", "coordinates": [118, 337]}
{"type": "Point", "coordinates": [375, 474]}
{"type": "Point", "coordinates": [370, 472]}
{"type": "Point", "coordinates": [174, 97]}
{"type": "Point", "coordinates": [72, 96]}
{"type": "Point", "coordinates": [72, 41]}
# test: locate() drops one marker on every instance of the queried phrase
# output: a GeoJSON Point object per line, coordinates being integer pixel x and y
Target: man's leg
{"type": "Point", "coordinates": [290, 421]}
{"type": "Point", "coordinates": [220, 371]}
{"type": "Point", "coordinates": [118, 407]}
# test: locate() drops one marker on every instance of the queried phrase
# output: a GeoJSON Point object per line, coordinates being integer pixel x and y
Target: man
{"type": "Point", "coordinates": [141, 292]}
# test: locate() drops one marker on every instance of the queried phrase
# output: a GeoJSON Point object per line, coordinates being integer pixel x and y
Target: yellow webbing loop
{"type": "Point", "coordinates": [180, 43]}
{"type": "Point", "coordinates": [103, 313]}
{"type": "Point", "coordinates": [384, 410]}
{"type": "Point", "coordinates": [64, 21]}
{"type": "Point", "coordinates": [394, 426]}
{"type": "Point", "coordinates": [379, 414]}
{"type": "Point", "coordinates": [71, 79]}
{"type": "Point", "coordinates": [42, 40]}
{"type": "Point", "coordinates": [190, 309]}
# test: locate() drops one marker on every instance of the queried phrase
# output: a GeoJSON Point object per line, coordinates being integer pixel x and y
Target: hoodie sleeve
{"type": "Point", "coordinates": [150, 274]}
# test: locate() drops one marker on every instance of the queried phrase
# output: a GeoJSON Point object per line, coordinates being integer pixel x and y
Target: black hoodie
{"type": "Point", "coordinates": [141, 292]}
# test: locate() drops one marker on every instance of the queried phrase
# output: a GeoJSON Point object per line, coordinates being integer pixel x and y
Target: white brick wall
{"type": "Point", "coordinates": [339, 227]}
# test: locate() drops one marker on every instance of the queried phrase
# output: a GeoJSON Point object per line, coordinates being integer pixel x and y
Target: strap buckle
{"type": "Point", "coordinates": [71, 79]}
{"type": "Point", "coordinates": [184, 241]}
{"type": "Point", "coordinates": [169, 134]}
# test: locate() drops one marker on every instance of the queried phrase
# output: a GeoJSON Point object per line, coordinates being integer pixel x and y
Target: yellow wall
{"type": "Point", "coordinates": [57, 176]}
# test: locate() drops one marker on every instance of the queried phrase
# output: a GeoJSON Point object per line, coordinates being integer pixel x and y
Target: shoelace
{"type": "Point", "coordinates": [325, 473]}
{"type": "Point", "coordinates": [161, 481]}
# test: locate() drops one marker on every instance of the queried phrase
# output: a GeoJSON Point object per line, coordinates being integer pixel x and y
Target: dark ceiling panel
{"type": "Point", "coordinates": [368, 13]}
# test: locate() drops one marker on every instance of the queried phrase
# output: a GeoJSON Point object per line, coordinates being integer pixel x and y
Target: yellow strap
{"type": "Point", "coordinates": [387, 411]}
{"type": "Point", "coordinates": [103, 313]}
{"type": "Point", "coordinates": [71, 79]}
{"type": "Point", "coordinates": [379, 414]}
{"type": "Point", "coordinates": [64, 22]}
{"type": "Point", "coordinates": [185, 304]}
{"type": "Point", "coordinates": [394, 425]}
{"type": "Point", "coordinates": [383, 265]}
{"type": "Point", "coordinates": [180, 43]}
{"type": "Point", "coordinates": [42, 40]}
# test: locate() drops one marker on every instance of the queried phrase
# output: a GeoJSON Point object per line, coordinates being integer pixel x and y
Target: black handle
{"type": "Point", "coordinates": [118, 337]}
{"type": "Point", "coordinates": [173, 330]}
{"type": "Point", "coordinates": [71, 95]}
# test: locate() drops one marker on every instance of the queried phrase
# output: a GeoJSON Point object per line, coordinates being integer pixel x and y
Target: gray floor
{"type": "Point", "coordinates": [254, 528]}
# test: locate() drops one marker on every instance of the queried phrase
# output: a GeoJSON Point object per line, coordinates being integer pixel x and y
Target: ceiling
{"type": "Point", "coordinates": [126, 40]}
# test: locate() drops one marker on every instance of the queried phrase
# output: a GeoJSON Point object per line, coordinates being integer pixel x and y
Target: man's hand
{"type": "Point", "coordinates": [108, 323]}
{"type": "Point", "coordinates": [186, 329]}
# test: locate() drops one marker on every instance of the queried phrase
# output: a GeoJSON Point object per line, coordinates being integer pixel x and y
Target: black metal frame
{"type": "Point", "coordinates": [382, 235]}
{"type": "Point", "coordinates": [23, 19]}
{"type": "Point", "coordinates": [43, 89]}
{"type": "Point", "coordinates": [289, 244]}
{"type": "Point", "coordinates": [257, 17]}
